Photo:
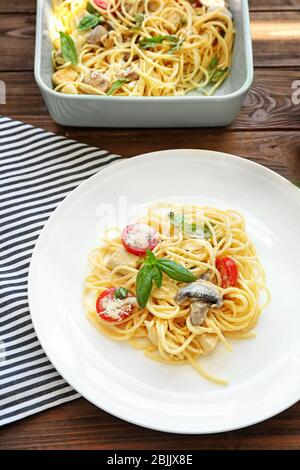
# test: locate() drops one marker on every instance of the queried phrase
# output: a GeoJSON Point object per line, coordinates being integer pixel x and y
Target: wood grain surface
{"type": "Point", "coordinates": [266, 131]}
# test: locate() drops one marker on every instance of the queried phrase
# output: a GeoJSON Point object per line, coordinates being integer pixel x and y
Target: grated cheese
{"type": "Point", "coordinates": [114, 307]}
{"type": "Point", "coordinates": [140, 237]}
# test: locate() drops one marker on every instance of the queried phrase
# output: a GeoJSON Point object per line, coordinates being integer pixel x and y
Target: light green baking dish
{"type": "Point", "coordinates": [193, 110]}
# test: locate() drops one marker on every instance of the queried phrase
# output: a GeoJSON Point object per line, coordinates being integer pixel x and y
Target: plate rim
{"type": "Point", "coordinates": [42, 339]}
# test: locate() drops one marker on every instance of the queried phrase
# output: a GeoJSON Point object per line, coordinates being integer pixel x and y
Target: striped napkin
{"type": "Point", "coordinates": [37, 171]}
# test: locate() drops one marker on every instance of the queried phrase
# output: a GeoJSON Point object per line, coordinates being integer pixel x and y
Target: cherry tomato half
{"type": "Point", "coordinates": [138, 238]}
{"type": "Point", "coordinates": [101, 4]}
{"type": "Point", "coordinates": [113, 310]}
{"type": "Point", "coordinates": [228, 270]}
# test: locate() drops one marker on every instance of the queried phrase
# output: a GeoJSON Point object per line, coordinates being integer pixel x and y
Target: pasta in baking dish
{"type": "Point", "coordinates": [141, 47]}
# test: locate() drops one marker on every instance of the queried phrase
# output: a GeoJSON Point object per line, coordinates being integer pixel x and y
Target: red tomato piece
{"type": "Point", "coordinates": [101, 4]}
{"type": "Point", "coordinates": [113, 310]}
{"type": "Point", "coordinates": [138, 238]}
{"type": "Point", "coordinates": [228, 270]}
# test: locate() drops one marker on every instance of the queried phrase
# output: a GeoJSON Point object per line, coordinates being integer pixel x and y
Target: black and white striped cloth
{"type": "Point", "coordinates": [37, 170]}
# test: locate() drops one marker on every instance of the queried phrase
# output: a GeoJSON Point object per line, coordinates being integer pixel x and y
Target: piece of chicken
{"type": "Point", "coordinates": [70, 89]}
{"type": "Point", "coordinates": [208, 342]}
{"type": "Point", "coordinates": [121, 257]}
{"type": "Point", "coordinates": [66, 74]}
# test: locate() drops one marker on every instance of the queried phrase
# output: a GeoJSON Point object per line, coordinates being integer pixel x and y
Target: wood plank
{"type": "Point", "coordinates": [83, 426]}
{"type": "Point", "coordinates": [278, 150]}
{"type": "Point", "coordinates": [268, 105]}
{"type": "Point", "coordinates": [275, 40]}
{"type": "Point", "coordinates": [17, 42]}
{"type": "Point", "coordinates": [18, 6]}
{"type": "Point", "coordinates": [28, 6]}
{"type": "Point", "coordinates": [271, 5]}
{"type": "Point", "coordinates": [271, 102]}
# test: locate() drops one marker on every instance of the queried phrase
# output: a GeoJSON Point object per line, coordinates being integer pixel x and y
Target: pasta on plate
{"type": "Point", "coordinates": [176, 283]}
{"type": "Point", "coordinates": [141, 47]}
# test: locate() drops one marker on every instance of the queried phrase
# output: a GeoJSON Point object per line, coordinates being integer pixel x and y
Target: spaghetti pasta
{"type": "Point", "coordinates": [164, 329]}
{"type": "Point", "coordinates": [141, 47]}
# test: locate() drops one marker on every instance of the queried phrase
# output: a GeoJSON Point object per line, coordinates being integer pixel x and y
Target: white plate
{"type": "Point", "coordinates": [264, 372]}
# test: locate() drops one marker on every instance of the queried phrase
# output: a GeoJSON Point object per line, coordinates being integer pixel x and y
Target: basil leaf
{"type": "Point", "coordinates": [213, 63]}
{"type": "Point", "coordinates": [139, 18]}
{"type": "Point", "coordinates": [88, 22]}
{"type": "Point", "coordinates": [91, 9]}
{"type": "Point", "coordinates": [144, 285]}
{"type": "Point", "coordinates": [151, 258]}
{"type": "Point", "coordinates": [171, 38]}
{"type": "Point", "coordinates": [175, 270]}
{"type": "Point", "coordinates": [217, 75]}
{"type": "Point", "coordinates": [157, 276]}
{"type": "Point", "coordinates": [68, 48]}
{"type": "Point", "coordinates": [121, 293]}
{"type": "Point", "coordinates": [116, 85]}
{"type": "Point", "coordinates": [147, 43]}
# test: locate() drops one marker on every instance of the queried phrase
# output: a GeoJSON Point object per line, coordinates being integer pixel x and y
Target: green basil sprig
{"type": "Point", "coordinates": [121, 293]}
{"type": "Point", "coordinates": [175, 271]}
{"type": "Point", "coordinates": [148, 43]}
{"type": "Point", "coordinates": [116, 85]}
{"type": "Point", "coordinates": [68, 48]}
{"type": "Point", "coordinates": [91, 9]}
{"type": "Point", "coordinates": [191, 230]}
{"type": "Point", "coordinates": [89, 22]}
{"type": "Point", "coordinates": [213, 63]}
{"type": "Point", "coordinates": [144, 281]}
{"type": "Point", "coordinates": [139, 18]}
{"type": "Point", "coordinates": [216, 74]}
{"type": "Point", "coordinates": [152, 270]}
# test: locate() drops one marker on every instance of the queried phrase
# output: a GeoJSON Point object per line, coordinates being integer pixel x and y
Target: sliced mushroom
{"type": "Point", "coordinates": [199, 312]}
{"type": "Point", "coordinates": [98, 80]}
{"type": "Point", "coordinates": [203, 295]}
{"type": "Point", "coordinates": [96, 35]}
{"type": "Point", "coordinates": [130, 75]}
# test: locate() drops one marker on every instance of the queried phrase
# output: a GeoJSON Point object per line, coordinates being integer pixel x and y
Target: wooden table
{"type": "Point", "coordinates": [266, 131]}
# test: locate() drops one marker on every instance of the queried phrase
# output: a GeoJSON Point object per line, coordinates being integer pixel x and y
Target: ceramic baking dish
{"type": "Point", "coordinates": [193, 110]}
